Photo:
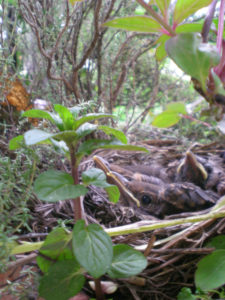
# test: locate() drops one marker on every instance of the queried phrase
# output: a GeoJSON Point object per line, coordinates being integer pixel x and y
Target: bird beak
{"type": "Point", "coordinates": [116, 179]}
{"type": "Point", "coordinates": [191, 161]}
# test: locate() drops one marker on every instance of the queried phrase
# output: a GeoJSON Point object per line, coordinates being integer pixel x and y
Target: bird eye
{"type": "Point", "coordinates": [145, 199]}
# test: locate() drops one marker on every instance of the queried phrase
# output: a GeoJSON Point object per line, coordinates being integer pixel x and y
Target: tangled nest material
{"type": "Point", "coordinates": [172, 252]}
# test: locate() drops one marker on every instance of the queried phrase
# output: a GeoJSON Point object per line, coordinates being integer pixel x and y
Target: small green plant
{"type": "Point", "coordinates": [64, 258]}
{"type": "Point", "coordinates": [16, 180]}
{"type": "Point", "coordinates": [210, 273]}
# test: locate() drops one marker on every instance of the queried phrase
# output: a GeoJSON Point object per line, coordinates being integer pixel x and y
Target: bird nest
{"type": "Point", "coordinates": [173, 244]}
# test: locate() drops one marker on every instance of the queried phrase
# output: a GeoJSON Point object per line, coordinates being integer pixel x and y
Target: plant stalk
{"type": "Point", "coordinates": [220, 26]}
{"type": "Point", "coordinates": [157, 17]}
{"type": "Point", "coordinates": [208, 21]}
{"type": "Point", "coordinates": [77, 205]}
{"type": "Point", "coordinates": [98, 290]}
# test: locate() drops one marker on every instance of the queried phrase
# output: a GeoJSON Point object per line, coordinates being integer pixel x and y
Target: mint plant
{"type": "Point", "coordinates": [65, 257]}
{"type": "Point", "coordinates": [210, 273]}
{"type": "Point", "coordinates": [186, 44]}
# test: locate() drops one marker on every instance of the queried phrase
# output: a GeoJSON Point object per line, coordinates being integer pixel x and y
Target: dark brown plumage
{"type": "Point", "coordinates": [171, 198]}
{"type": "Point", "coordinates": [189, 185]}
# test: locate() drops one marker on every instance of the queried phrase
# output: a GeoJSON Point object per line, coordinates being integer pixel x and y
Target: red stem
{"type": "Point", "coordinates": [77, 205]}
{"type": "Point", "coordinates": [195, 120]}
{"type": "Point", "coordinates": [220, 27]}
{"type": "Point", "coordinates": [98, 290]}
{"type": "Point", "coordinates": [157, 17]}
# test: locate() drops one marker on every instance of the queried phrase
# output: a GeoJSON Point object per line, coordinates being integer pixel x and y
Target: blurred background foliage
{"type": "Point", "coordinates": [62, 54]}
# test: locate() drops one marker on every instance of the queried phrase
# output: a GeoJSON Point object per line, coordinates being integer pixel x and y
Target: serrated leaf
{"type": "Point", "coordinates": [192, 56]}
{"type": "Point", "coordinates": [86, 129]}
{"type": "Point", "coordinates": [75, 110]}
{"type": "Point", "coordinates": [185, 8]}
{"type": "Point", "coordinates": [16, 143]}
{"type": "Point", "coordinates": [88, 146]}
{"type": "Point", "coordinates": [186, 294]}
{"type": "Point", "coordinates": [35, 136]}
{"type": "Point", "coordinates": [115, 132]}
{"type": "Point", "coordinates": [68, 136]}
{"type": "Point", "coordinates": [92, 247]}
{"type": "Point", "coordinates": [95, 177]}
{"type": "Point", "coordinates": [126, 262]}
{"type": "Point", "coordinates": [38, 113]}
{"type": "Point", "coordinates": [189, 27]}
{"type": "Point", "coordinates": [62, 281]}
{"type": "Point", "coordinates": [217, 242]}
{"type": "Point", "coordinates": [125, 147]}
{"type": "Point", "coordinates": [53, 186]}
{"type": "Point", "coordinates": [113, 193]}
{"type": "Point", "coordinates": [166, 119]}
{"type": "Point", "coordinates": [66, 116]}
{"type": "Point", "coordinates": [90, 117]}
{"type": "Point", "coordinates": [55, 247]}
{"type": "Point", "coordinates": [135, 23]}
{"type": "Point", "coordinates": [210, 273]}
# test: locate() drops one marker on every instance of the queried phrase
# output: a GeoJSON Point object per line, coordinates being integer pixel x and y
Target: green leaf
{"type": "Point", "coordinates": [163, 5]}
{"type": "Point", "coordinates": [35, 136]}
{"type": "Point", "coordinates": [55, 247]}
{"type": "Point", "coordinates": [92, 247]}
{"type": "Point", "coordinates": [68, 136]}
{"type": "Point", "coordinates": [189, 27]}
{"type": "Point", "coordinates": [185, 8]}
{"type": "Point", "coordinates": [38, 113]}
{"type": "Point", "coordinates": [177, 107]}
{"type": "Point", "coordinates": [88, 146]}
{"type": "Point", "coordinates": [186, 294]}
{"type": "Point", "coordinates": [210, 273]}
{"type": "Point", "coordinates": [53, 186]}
{"type": "Point", "coordinates": [62, 281]}
{"type": "Point", "coordinates": [113, 193]}
{"type": "Point", "coordinates": [217, 242]}
{"type": "Point", "coordinates": [85, 129]}
{"type": "Point", "coordinates": [45, 262]}
{"type": "Point", "coordinates": [90, 117]}
{"type": "Point", "coordinates": [160, 53]}
{"type": "Point", "coordinates": [166, 119]}
{"type": "Point", "coordinates": [135, 23]}
{"type": "Point", "coordinates": [219, 89]}
{"type": "Point", "coordinates": [124, 147]}
{"type": "Point", "coordinates": [126, 262]}
{"type": "Point", "coordinates": [66, 116]}
{"type": "Point", "coordinates": [95, 177]}
{"type": "Point", "coordinates": [192, 56]}
{"type": "Point", "coordinates": [115, 132]}
{"type": "Point", "coordinates": [73, 2]}
{"type": "Point", "coordinates": [16, 143]}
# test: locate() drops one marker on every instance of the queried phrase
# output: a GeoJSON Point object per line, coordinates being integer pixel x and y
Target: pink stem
{"type": "Point", "coordinates": [220, 26]}
{"type": "Point", "coordinates": [195, 120]}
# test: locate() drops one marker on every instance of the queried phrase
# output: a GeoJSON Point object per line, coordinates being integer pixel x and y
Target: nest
{"type": "Point", "coordinates": [172, 252]}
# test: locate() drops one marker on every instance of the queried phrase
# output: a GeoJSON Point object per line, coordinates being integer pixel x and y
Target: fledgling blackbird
{"type": "Point", "coordinates": [171, 198]}
{"type": "Point", "coordinates": [206, 173]}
